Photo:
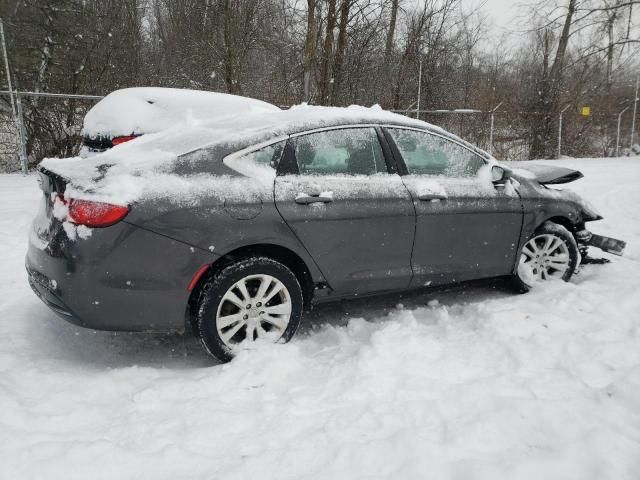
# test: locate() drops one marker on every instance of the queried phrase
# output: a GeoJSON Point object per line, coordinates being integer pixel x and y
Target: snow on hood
{"type": "Point", "coordinates": [136, 111]}
{"type": "Point", "coordinates": [145, 167]}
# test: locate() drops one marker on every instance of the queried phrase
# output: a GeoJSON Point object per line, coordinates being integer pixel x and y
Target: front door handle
{"type": "Point", "coordinates": [432, 197]}
{"type": "Point", "coordinates": [324, 197]}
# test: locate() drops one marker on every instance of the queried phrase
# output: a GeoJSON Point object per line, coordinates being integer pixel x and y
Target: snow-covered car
{"type": "Point", "coordinates": [126, 114]}
{"type": "Point", "coordinates": [235, 227]}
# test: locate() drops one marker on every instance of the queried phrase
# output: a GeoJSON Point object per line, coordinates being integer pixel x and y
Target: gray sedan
{"type": "Point", "coordinates": [308, 212]}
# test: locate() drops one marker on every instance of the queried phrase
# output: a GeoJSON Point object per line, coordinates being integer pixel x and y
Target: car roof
{"type": "Point", "coordinates": [245, 130]}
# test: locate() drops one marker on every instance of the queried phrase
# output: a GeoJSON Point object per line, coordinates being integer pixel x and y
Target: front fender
{"type": "Point", "coordinates": [541, 204]}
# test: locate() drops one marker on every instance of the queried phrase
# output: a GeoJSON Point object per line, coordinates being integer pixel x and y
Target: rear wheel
{"type": "Point", "coordinates": [552, 252]}
{"type": "Point", "coordinates": [254, 300]}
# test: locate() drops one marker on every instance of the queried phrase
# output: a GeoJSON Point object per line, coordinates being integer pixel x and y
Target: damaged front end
{"type": "Point", "coordinates": [547, 177]}
{"type": "Point", "coordinates": [587, 239]}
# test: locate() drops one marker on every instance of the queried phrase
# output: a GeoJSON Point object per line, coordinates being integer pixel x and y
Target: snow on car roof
{"type": "Point", "coordinates": [144, 167]}
{"type": "Point", "coordinates": [140, 110]}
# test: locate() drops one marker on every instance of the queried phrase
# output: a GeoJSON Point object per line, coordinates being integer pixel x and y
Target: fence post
{"type": "Point", "coordinates": [6, 67]}
{"type": "Point", "coordinates": [419, 90]}
{"type": "Point", "coordinates": [635, 107]}
{"type": "Point", "coordinates": [493, 112]}
{"type": "Point", "coordinates": [22, 136]}
{"type": "Point", "coordinates": [16, 107]}
{"type": "Point", "coordinates": [560, 132]}
{"type": "Point", "coordinates": [618, 131]}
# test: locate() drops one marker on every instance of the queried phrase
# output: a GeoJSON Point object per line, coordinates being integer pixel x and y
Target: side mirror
{"type": "Point", "coordinates": [499, 174]}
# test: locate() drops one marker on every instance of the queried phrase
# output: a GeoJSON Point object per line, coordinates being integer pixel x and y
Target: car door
{"type": "Point", "coordinates": [466, 227]}
{"type": "Point", "coordinates": [352, 213]}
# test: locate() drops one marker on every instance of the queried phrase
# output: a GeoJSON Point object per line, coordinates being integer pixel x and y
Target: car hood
{"type": "Point", "coordinates": [544, 174]}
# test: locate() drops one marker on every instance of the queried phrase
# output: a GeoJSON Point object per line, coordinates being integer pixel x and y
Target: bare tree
{"type": "Point", "coordinates": [332, 52]}
{"type": "Point", "coordinates": [309, 48]}
{"type": "Point", "coordinates": [579, 15]}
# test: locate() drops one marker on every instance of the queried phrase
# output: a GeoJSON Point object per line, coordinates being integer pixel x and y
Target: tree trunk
{"type": "Point", "coordinates": [390, 33]}
{"type": "Point", "coordinates": [388, 50]}
{"type": "Point", "coordinates": [340, 51]}
{"type": "Point", "coordinates": [230, 55]}
{"type": "Point", "coordinates": [309, 50]}
{"type": "Point", "coordinates": [327, 54]}
{"type": "Point", "coordinates": [400, 78]}
{"type": "Point", "coordinates": [46, 55]}
{"type": "Point", "coordinates": [544, 136]}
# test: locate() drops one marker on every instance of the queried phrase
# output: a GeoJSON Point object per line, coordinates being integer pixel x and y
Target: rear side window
{"type": "Point", "coordinates": [426, 154]}
{"type": "Point", "coordinates": [267, 156]}
{"type": "Point", "coordinates": [261, 163]}
{"type": "Point", "coordinates": [348, 151]}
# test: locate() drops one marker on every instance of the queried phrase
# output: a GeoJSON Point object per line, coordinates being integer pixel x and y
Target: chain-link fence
{"type": "Point", "coordinates": [9, 142]}
{"type": "Point", "coordinates": [593, 135]}
{"type": "Point", "coordinates": [509, 139]}
{"type": "Point", "coordinates": [53, 123]}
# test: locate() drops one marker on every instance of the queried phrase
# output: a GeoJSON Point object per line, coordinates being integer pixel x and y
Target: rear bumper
{"type": "Point", "coordinates": [42, 287]}
{"type": "Point", "coordinates": [121, 278]}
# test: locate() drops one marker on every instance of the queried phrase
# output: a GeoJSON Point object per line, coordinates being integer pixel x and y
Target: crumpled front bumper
{"type": "Point", "coordinates": [606, 244]}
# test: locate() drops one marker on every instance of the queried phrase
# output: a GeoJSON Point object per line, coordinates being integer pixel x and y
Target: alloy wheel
{"type": "Point", "coordinates": [545, 256]}
{"type": "Point", "coordinates": [257, 307]}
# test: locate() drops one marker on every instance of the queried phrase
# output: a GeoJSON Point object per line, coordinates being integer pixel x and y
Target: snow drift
{"type": "Point", "coordinates": [471, 383]}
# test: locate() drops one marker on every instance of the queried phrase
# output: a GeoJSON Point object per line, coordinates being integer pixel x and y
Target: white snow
{"type": "Point", "coordinates": [143, 110]}
{"type": "Point", "coordinates": [470, 383]}
{"type": "Point", "coordinates": [425, 185]}
{"type": "Point", "coordinates": [381, 185]}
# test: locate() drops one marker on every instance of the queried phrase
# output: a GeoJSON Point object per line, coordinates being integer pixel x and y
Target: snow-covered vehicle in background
{"type": "Point", "coordinates": [126, 114]}
{"type": "Point", "coordinates": [240, 223]}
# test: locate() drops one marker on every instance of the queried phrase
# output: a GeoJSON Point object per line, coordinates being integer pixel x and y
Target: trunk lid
{"type": "Point", "coordinates": [46, 227]}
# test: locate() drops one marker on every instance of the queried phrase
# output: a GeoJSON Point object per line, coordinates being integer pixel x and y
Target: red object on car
{"type": "Point", "coordinates": [95, 214]}
{"type": "Point", "coordinates": [118, 140]}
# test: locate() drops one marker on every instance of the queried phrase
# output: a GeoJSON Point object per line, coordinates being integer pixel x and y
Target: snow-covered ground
{"type": "Point", "coordinates": [468, 383]}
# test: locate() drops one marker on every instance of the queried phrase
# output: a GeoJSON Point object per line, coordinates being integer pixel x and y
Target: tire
{"type": "Point", "coordinates": [230, 307]}
{"type": "Point", "coordinates": [551, 252]}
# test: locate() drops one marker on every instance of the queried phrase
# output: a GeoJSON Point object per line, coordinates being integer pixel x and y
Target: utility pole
{"type": "Point", "coordinates": [493, 112]}
{"type": "Point", "coordinates": [16, 107]}
{"type": "Point", "coordinates": [635, 108]}
{"type": "Point", "coordinates": [419, 89]}
{"type": "Point", "coordinates": [618, 133]}
{"type": "Point", "coordinates": [22, 135]}
{"type": "Point", "coordinates": [6, 67]}
{"type": "Point", "coordinates": [560, 131]}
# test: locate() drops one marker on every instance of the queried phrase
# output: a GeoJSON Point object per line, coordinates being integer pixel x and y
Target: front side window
{"type": "Point", "coordinates": [427, 154]}
{"type": "Point", "coordinates": [347, 151]}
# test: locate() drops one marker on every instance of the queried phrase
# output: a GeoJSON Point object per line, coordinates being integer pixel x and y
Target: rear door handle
{"type": "Point", "coordinates": [324, 197]}
{"type": "Point", "coordinates": [432, 197]}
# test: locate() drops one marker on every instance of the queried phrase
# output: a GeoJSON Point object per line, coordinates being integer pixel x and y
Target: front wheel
{"type": "Point", "coordinates": [255, 299]}
{"type": "Point", "coordinates": [552, 252]}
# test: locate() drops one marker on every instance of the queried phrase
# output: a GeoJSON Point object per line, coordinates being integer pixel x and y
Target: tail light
{"type": "Point", "coordinates": [118, 140]}
{"type": "Point", "coordinates": [95, 214]}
